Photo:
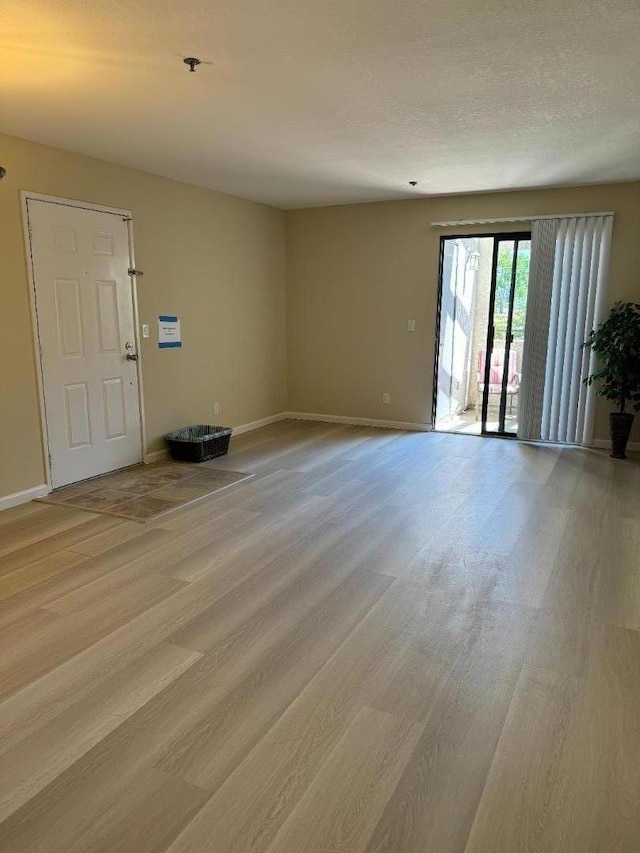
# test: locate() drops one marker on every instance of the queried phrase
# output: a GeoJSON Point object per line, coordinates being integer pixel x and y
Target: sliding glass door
{"type": "Point", "coordinates": [489, 379]}
{"type": "Point", "coordinates": [481, 319]}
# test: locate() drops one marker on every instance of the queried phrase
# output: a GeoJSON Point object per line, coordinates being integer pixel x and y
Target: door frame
{"type": "Point", "coordinates": [127, 216]}
{"type": "Point", "coordinates": [434, 396]}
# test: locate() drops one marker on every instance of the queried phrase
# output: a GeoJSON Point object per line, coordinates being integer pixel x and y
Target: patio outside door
{"type": "Point", "coordinates": [500, 363]}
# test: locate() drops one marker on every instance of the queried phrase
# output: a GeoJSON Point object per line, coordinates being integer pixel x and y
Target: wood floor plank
{"type": "Point", "coordinates": [617, 591]}
{"type": "Point", "coordinates": [37, 760]}
{"type": "Point", "coordinates": [564, 631]}
{"type": "Point", "coordinates": [383, 641]}
{"type": "Point", "coordinates": [525, 788]}
{"type": "Point", "coordinates": [527, 568]}
{"type": "Point", "coordinates": [112, 651]}
{"type": "Point", "coordinates": [257, 542]}
{"type": "Point", "coordinates": [436, 798]}
{"type": "Point", "coordinates": [218, 741]}
{"type": "Point", "coordinates": [73, 633]}
{"type": "Point", "coordinates": [69, 539]}
{"type": "Point", "coordinates": [135, 744]}
{"type": "Point", "coordinates": [265, 601]}
{"type": "Point", "coordinates": [39, 526]}
{"type": "Point", "coordinates": [484, 647]}
{"type": "Point", "coordinates": [144, 819]}
{"type": "Point", "coordinates": [156, 551]}
{"type": "Point", "coordinates": [156, 561]}
{"type": "Point", "coordinates": [127, 600]}
{"type": "Point", "coordinates": [339, 810]}
{"type": "Point", "coordinates": [600, 766]}
{"type": "Point", "coordinates": [107, 538]}
{"type": "Point", "coordinates": [248, 810]}
{"type": "Point", "coordinates": [40, 571]}
{"type": "Point", "coordinates": [80, 571]}
{"type": "Point", "coordinates": [16, 516]}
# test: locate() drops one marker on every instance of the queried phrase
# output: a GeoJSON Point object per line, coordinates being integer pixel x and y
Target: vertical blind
{"type": "Point", "coordinates": [569, 265]}
{"type": "Point", "coordinates": [534, 353]}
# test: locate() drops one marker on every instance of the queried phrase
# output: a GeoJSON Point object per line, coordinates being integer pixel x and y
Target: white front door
{"type": "Point", "coordinates": [85, 319]}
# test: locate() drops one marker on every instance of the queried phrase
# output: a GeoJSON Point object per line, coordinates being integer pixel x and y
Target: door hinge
{"type": "Point", "coordinates": [132, 271]}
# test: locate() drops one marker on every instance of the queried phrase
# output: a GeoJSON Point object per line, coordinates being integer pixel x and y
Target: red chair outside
{"type": "Point", "coordinates": [496, 375]}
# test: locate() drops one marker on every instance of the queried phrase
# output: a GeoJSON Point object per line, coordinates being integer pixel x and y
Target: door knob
{"type": "Point", "coordinates": [131, 355]}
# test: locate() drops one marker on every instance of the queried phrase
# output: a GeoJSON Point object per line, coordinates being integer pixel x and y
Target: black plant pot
{"type": "Point", "coordinates": [620, 427]}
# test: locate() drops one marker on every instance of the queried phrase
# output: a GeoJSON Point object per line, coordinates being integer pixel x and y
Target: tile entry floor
{"type": "Point", "coordinates": [145, 492]}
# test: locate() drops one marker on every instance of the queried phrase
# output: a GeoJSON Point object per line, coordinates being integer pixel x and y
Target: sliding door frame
{"type": "Point", "coordinates": [436, 359]}
{"type": "Point", "coordinates": [497, 237]}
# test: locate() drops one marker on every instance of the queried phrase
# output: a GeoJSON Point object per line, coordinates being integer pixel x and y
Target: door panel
{"type": "Point", "coordinates": [114, 408]}
{"type": "Point", "coordinates": [456, 368]}
{"type": "Point", "coordinates": [505, 337]}
{"type": "Point", "coordinates": [497, 361]}
{"type": "Point", "coordinates": [69, 318]}
{"type": "Point", "coordinates": [102, 243]}
{"type": "Point", "coordinates": [517, 322]}
{"type": "Point", "coordinates": [108, 318]}
{"type": "Point", "coordinates": [85, 316]}
{"type": "Point", "coordinates": [64, 239]}
{"type": "Point", "coordinates": [77, 415]}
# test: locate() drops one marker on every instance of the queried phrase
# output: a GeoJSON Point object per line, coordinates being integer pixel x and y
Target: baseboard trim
{"type": "Point", "coordinates": [606, 444]}
{"type": "Point", "coordinates": [156, 456]}
{"type": "Point", "coordinates": [271, 419]}
{"type": "Point", "coordinates": [24, 496]}
{"type": "Point", "coordinates": [408, 426]}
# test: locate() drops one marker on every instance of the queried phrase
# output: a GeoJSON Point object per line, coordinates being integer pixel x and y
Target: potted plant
{"type": "Point", "coordinates": [616, 342]}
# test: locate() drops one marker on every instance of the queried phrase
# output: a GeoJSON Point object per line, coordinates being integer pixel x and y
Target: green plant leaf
{"type": "Point", "coordinates": [616, 343]}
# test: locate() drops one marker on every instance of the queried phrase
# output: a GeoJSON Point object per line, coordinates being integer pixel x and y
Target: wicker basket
{"type": "Point", "coordinates": [199, 443]}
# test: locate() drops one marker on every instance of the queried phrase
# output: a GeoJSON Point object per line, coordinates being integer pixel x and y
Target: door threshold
{"type": "Point", "coordinates": [98, 476]}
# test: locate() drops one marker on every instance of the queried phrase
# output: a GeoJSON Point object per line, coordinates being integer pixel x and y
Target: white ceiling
{"type": "Point", "coordinates": [311, 102]}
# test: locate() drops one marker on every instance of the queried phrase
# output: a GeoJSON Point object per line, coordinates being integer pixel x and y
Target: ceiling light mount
{"type": "Point", "coordinates": [192, 62]}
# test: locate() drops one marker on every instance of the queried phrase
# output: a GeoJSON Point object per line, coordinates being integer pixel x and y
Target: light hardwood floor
{"type": "Point", "coordinates": [385, 641]}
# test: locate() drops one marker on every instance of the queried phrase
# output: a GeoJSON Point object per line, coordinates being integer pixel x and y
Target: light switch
{"type": "Point", "coordinates": [411, 325]}
{"type": "Point", "coordinates": [145, 330]}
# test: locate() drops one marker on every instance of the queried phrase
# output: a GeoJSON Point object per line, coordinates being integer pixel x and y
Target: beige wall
{"type": "Point", "coordinates": [215, 260]}
{"type": "Point", "coordinates": [357, 273]}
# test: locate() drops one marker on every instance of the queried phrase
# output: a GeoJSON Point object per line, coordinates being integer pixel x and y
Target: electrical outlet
{"type": "Point", "coordinates": [386, 398]}
{"type": "Point", "coordinates": [216, 408]}
{"type": "Point", "coordinates": [411, 325]}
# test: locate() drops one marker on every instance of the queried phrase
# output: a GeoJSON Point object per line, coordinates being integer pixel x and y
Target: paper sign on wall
{"type": "Point", "coordinates": [169, 332]}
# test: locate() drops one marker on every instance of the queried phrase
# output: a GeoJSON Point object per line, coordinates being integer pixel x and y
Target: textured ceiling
{"type": "Point", "coordinates": [309, 102]}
